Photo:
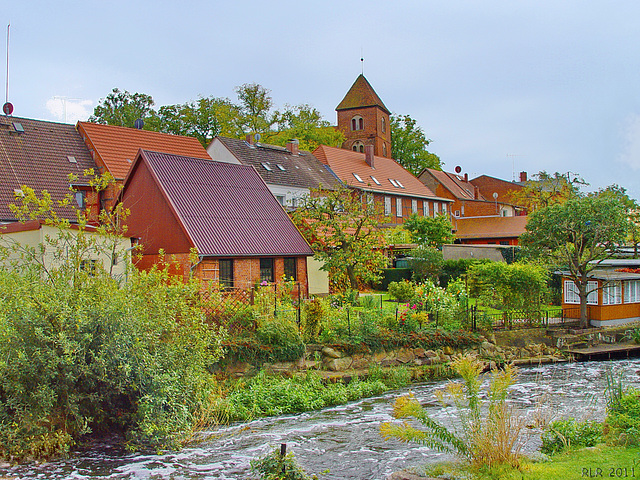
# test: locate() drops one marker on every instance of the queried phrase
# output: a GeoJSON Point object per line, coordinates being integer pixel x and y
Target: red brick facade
{"type": "Point", "coordinates": [374, 119]}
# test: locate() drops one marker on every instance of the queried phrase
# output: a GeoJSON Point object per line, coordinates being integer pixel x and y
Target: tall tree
{"type": "Point", "coordinates": [342, 228]}
{"type": "Point", "coordinates": [255, 108]}
{"type": "Point", "coordinates": [576, 235]}
{"type": "Point", "coordinates": [123, 108]}
{"type": "Point", "coordinates": [409, 145]}
{"type": "Point", "coordinates": [433, 232]}
{"type": "Point", "coordinates": [305, 123]}
{"type": "Point", "coordinates": [547, 189]}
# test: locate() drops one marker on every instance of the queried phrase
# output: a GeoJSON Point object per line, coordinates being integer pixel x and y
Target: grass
{"type": "Point", "coordinates": [601, 461]}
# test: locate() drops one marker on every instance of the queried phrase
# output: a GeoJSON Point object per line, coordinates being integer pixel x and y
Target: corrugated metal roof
{"type": "Point", "coordinates": [118, 146]}
{"type": "Point", "coordinates": [346, 163]}
{"type": "Point", "coordinates": [226, 209]}
{"type": "Point", "coordinates": [302, 170]}
{"type": "Point", "coordinates": [39, 159]}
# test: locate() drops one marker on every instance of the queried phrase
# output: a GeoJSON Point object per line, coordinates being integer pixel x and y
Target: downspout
{"type": "Point", "coordinates": [195, 265]}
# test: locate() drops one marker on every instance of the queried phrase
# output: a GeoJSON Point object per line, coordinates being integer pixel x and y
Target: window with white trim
{"type": "Point", "coordinates": [358, 178]}
{"type": "Point", "coordinates": [632, 291]}
{"type": "Point", "coordinates": [398, 207]}
{"type": "Point", "coordinates": [425, 208]}
{"type": "Point", "coordinates": [357, 123]}
{"type": "Point", "coordinates": [414, 206]}
{"type": "Point", "coordinates": [612, 293]}
{"type": "Point", "coordinates": [571, 294]}
{"type": "Point", "coordinates": [387, 206]}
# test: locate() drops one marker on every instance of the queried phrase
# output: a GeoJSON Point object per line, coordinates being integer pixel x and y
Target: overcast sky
{"type": "Point", "coordinates": [499, 86]}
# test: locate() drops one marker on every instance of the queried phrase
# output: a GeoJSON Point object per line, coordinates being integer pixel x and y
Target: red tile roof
{"type": "Point", "coordinates": [118, 146]}
{"type": "Point", "coordinates": [461, 189]}
{"type": "Point", "coordinates": [490, 227]}
{"type": "Point", "coordinates": [361, 94]}
{"type": "Point", "coordinates": [346, 163]}
{"type": "Point", "coordinates": [41, 158]}
{"type": "Point", "coordinates": [226, 209]}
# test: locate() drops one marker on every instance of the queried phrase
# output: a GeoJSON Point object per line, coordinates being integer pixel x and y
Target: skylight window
{"type": "Point", "coordinates": [267, 167]}
{"type": "Point", "coordinates": [18, 127]}
{"type": "Point", "coordinates": [375, 180]}
{"type": "Point", "coordinates": [393, 182]}
{"type": "Point", "coordinates": [358, 178]}
{"type": "Point", "coordinates": [400, 184]}
{"type": "Point", "coordinates": [280, 167]}
{"type": "Point", "coordinates": [71, 159]}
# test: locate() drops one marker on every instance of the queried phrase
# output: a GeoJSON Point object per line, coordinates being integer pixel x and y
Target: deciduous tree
{"type": "Point", "coordinates": [123, 108]}
{"type": "Point", "coordinates": [576, 235]}
{"type": "Point", "coordinates": [431, 231]}
{"type": "Point", "coordinates": [342, 228]}
{"type": "Point", "coordinates": [547, 189]}
{"type": "Point", "coordinates": [409, 145]}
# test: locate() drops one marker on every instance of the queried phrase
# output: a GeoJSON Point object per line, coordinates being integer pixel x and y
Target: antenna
{"type": "Point", "coordinates": [64, 105]}
{"type": "Point", "coordinates": [362, 60]}
{"type": "Point", "coordinates": [6, 95]}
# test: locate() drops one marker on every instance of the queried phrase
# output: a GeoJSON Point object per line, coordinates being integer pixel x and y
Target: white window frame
{"type": "Point", "coordinates": [632, 291]}
{"type": "Point", "coordinates": [398, 207]}
{"type": "Point", "coordinates": [387, 206]}
{"type": "Point", "coordinates": [612, 293]}
{"type": "Point", "coordinates": [414, 206]}
{"type": "Point", "coordinates": [425, 208]}
{"type": "Point", "coordinates": [571, 295]}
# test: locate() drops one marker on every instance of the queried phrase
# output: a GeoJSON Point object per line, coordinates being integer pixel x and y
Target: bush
{"type": "Point", "coordinates": [563, 435]}
{"type": "Point", "coordinates": [314, 312]}
{"type": "Point", "coordinates": [402, 291]}
{"type": "Point", "coordinates": [275, 466]}
{"type": "Point", "coordinates": [426, 262]}
{"type": "Point", "coordinates": [622, 425]}
{"type": "Point", "coordinates": [394, 275]}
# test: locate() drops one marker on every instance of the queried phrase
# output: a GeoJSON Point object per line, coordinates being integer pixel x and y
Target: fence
{"type": "Point", "coordinates": [519, 319]}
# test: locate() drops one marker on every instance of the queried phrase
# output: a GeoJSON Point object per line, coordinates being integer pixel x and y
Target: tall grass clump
{"type": "Point", "coordinates": [487, 432]}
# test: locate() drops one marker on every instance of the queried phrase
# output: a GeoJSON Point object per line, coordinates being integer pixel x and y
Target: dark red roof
{"type": "Point", "coordinates": [41, 157]}
{"type": "Point", "coordinates": [226, 209]}
{"type": "Point", "coordinates": [361, 94]}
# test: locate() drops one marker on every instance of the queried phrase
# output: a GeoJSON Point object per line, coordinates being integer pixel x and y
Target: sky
{"type": "Point", "coordinates": [499, 87]}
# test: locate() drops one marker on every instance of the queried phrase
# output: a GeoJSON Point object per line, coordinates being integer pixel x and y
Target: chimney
{"type": "Point", "coordinates": [368, 155]}
{"type": "Point", "coordinates": [476, 192]}
{"type": "Point", "coordinates": [466, 177]}
{"type": "Point", "coordinates": [523, 176]}
{"type": "Point", "coordinates": [249, 139]}
{"type": "Point", "coordinates": [293, 146]}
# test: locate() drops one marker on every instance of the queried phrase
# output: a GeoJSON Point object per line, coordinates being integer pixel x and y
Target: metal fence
{"type": "Point", "coordinates": [520, 319]}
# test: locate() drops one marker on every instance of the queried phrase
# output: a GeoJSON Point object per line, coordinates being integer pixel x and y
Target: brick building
{"type": "Point", "coordinates": [364, 120]}
{"type": "Point", "coordinates": [241, 233]}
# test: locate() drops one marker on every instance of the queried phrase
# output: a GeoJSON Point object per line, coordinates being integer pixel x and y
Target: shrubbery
{"type": "Point", "coordinates": [562, 435]}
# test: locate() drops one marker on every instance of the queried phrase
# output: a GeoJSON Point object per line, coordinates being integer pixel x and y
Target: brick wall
{"type": "Point", "coordinates": [371, 134]}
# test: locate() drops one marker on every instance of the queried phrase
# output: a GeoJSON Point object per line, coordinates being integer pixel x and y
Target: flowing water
{"type": "Point", "coordinates": [343, 440]}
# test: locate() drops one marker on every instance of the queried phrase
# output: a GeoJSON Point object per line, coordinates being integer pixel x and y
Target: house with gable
{"type": "Point", "coordinates": [384, 181]}
{"type": "Point", "coordinates": [489, 185]}
{"type": "Point", "coordinates": [114, 148]}
{"type": "Point", "coordinates": [290, 173]}
{"type": "Point", "coordinates": [51, 157]}
{"type": "Point", "coordinates": [225, 211]}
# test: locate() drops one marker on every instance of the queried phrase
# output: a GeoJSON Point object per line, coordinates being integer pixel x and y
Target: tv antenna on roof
{"type": "Point", "coordinates": [362, 60]}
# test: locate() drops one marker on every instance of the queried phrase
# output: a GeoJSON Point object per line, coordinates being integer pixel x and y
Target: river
{"type": "Point", "coordinates": [343, 440]}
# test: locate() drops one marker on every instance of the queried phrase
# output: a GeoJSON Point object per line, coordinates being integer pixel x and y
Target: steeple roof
{"type": "Point", "coordinates": [361, 94]}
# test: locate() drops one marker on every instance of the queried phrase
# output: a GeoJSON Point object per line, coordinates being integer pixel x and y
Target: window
{"type": "Point", "coordinates": [393, 182]}
{"type": "Point", "coordinates": [425, 208]}
{"type": "Point", "coordinates": [280, 167]}
{"type": "Point", "coordinates": [399, 184]}
{"type": "Point", "coordinates": [358, 146]}
{"type": "Point", "coordinates": [398, 207]}
{"type": "Point", "coordinates": [383, 125]}
{"type": "Point", "coordinates": [358, 178]}
{"type": "Point", "coordinates": [357, 123]}
{"type": "Point", "coordinates": [89, 266]}
{"type": "Point", "coordinates": [387, 206]}
{"type": "Point", "coordinates": [384, 149]}
{"type": "Point", "coordinates": [370, 199]}
{"type": "Point", "coordinates": [280, 199]}
{"type": "Point", "coordinates": [414, 206]}
{"type": "Point", "coordinates": [632, 291]}
{"type": "Point", "coordinates": [290, 268]}
{"type": "Point", "coordinates": [81, 198]}
{"type": "Point", "coordinates": [266, 270]}
{"type": "Point", "coordinates": [225, 273]}
{"type": "Point", "coordinates": [266, 166]}
{"type": "Point", "coordinates": [375, 180]}
{"type": "Point", "coordinates": [612, 293]}
{"type": "Point", "coordinates": [571, 294]}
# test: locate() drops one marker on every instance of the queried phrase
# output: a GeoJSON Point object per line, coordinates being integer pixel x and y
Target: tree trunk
{"type": "Point", "coordinates": [351, 274]}
{"type": "Point", "coordinates": [582, 292]}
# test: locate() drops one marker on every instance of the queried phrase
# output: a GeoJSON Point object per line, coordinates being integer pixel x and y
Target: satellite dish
{"type": "Point", "coordinates": [458, 169]}
{"type": "Point", "coordinates": [7, 108]}
{"type": "Point", "coordinates": [139, 123]}
{"type": "Point", "coordinates": [257, 137]}
{"type": "Point", "coordinates": [495, 195]}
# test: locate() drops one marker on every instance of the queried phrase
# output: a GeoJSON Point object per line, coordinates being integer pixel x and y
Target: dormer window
{"type": "Point", "coordinates": [357, 123]}
{"type": "Point", "coordinates": [358, 178]}
{"type": "Point", "coordinates": [358, 146]}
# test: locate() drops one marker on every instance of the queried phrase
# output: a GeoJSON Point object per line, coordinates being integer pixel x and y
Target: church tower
{"type": "Point", "coordinates": [364, 119]}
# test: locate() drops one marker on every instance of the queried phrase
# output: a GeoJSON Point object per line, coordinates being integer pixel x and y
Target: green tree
{"type": "Point", "coordinates": [432, 231]}
{"type": "Point", "coordinates": [515, 286]}
{"type": "Point", "coordinates": [547, 189]}
{"type": "Point", "coordinates": [255, 109]}
{"type": "Point", "coordinates": [576, 235]}
{"type": "Point", "coordinates": [123, 108]}
{"type": "Point", "coordinates": [342, 227]}
{"type": "Point", "coordinates": [633, 213]}
{"type": "Point", "coordinates": [426, 262]}
{"type": "Point", "coordinates": [305, 123]}
{"type": "Point", "coordinates": [409, 145]}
